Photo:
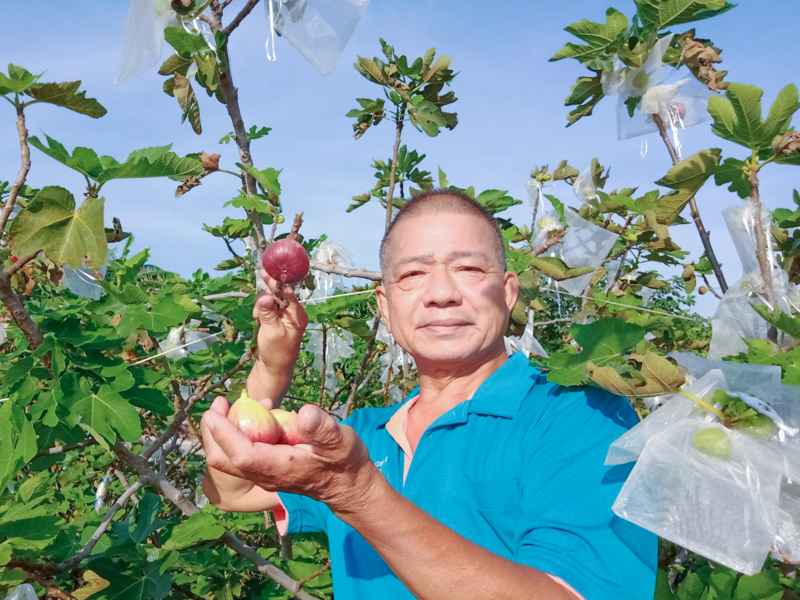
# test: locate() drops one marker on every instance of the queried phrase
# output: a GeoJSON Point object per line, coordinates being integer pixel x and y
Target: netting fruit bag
{"type": "Point", "coordinates": [710, 489]}
{"type": "Point", "coordinates": [584, 245]}
{"type": "Point", "coordinates": [318, 29]}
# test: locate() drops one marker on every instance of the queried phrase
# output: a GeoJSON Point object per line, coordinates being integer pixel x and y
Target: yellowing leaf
{"type": "Point", "coordinates": [659, 375]}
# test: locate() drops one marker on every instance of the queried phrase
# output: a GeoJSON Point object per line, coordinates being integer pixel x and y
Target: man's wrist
{"type": "Point", "coordinates": [269, 381]}
{"type": "Point", "coordinates": [364, 496]}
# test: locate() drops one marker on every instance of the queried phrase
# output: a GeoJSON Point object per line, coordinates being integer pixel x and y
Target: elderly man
{"type": "Point", "coordinates": [487, 482]}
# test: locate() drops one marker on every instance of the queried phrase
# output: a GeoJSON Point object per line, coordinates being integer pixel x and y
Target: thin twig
{"type": "Point", "coordinates": [324, 364]}
{"type": "Point", "coordinates": [21, 263]}
{"type": "Point", "coordinates": [551, 322]}
{"type": "Point", "coordinates": [65, 448]}
{"type": "Point", "coordinates": [348, 407]}
{"type": "Point", "coordinates": [316, 573]}
{"type": "Point", "coordinates": [710, 287]}
{"type": "Point", "coordinates": [48, 585]}
{"type": "Point", "coordinates": [393, 172]}
{"type": "Point", "coordinates": [251, 4]}
{"type": "Point", "coordinates": [24, 169]}
{"type": "Point", "coordinates": [346, 271]}
{"type": "Point", "coordinates": [89, 546]}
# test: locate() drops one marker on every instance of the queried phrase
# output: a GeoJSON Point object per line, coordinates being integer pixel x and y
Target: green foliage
{"type": "Point", "coordinates": [19, 81]}
{"type": "Point", "coordinates": [737, 116]}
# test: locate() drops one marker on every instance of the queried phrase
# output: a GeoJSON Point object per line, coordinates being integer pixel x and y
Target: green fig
{"type": "Point", "coordinates": [758, 426]}
{"type": "Point", "coordinates": [713, 442]}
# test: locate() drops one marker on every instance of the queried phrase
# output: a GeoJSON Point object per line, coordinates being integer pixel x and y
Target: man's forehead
{"type": "Point", "coordinates": [430, 257]}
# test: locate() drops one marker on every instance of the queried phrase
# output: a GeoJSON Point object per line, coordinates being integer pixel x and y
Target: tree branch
{"type": "Point", "coordinates": [171, 493]}
{"type": "Point", "coordinates": [346, 271]}
{"type": "Point", "coordinates": [393, 172]}
{"type": "Point", "coordinates": [552, 322]}
{"type": "Point", "coordinates": [704, 237]}
{"type": "Point", "coordinates": [21, 262]}
{"type": "Point", "coordinates": [22, 175]}
{"type": "Point", "coordinates": [112, 512]}
{"type": "Point", "coordinates": [65, 448]}
{"type": "Point", "coordinates": [348, 407]}
{"type": "Point", "coordinates": [31, 572]}
{"type": "Point", "coordinates": [251, 4]}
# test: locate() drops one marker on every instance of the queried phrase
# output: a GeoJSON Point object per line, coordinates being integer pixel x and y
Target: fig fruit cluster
{"type": "Point", "coordinates": [276, 426]}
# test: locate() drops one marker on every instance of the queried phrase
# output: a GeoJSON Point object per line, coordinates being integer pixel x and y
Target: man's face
{"type": "Point", "coordinates": [445, 298]}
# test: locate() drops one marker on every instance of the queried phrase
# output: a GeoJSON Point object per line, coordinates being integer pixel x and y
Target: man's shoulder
{"type": "Point", "coordinates": [549, 400]}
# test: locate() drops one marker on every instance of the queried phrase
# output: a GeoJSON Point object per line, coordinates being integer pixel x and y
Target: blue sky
{"type": "Point", "coordinates": [510, 108]}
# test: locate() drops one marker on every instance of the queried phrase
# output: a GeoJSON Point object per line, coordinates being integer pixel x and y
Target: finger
{"type": "Point", "coordinates": [318, 428]}
{"type": "Point", "coordinates": [264, 309]}
{"type": "Point", "coordinates": [236, 446]}
{"type": "Point", "coordinates": [268, 403]}
{"type": "Point", "coordinates": [268, 280]}
{"type": "Point", "coordinates": [220, 405]}
{"type": "Point", "coordinates": [215, 456]}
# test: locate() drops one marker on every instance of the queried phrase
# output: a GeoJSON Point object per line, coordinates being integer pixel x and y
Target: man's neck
{"type": "Point", "coordinates": [441, 387]}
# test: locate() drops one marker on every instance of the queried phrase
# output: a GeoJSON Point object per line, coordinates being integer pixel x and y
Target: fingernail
{"type": "Point", "coordinates": [314, 421]}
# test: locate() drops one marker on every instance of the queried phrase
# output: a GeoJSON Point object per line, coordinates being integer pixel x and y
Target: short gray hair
{"type": "Point", "coordinates": [444, 201]}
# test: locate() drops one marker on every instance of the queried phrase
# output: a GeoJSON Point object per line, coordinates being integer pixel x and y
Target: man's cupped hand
{"type": "Point", "coordinates": [332, 465]}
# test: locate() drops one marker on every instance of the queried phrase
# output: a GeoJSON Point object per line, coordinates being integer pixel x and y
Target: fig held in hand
{"type": "Point", "coordinates": [286, 261]}
{"type": "Point", "coordinates": [255, 421]}
{"type": "Point", "coordinates": [288, 422]}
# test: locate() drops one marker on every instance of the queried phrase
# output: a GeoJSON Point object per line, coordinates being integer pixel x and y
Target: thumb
{"type": "Point", "coordinates": [318, 428]}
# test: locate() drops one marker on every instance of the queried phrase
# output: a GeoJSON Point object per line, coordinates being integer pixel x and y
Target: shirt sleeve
{"type": "Point", "coordinates": [567, 527]}
{"type": "Point", "coordinates": [300, 514]}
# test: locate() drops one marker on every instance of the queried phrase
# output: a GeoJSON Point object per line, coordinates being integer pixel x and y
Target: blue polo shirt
{"type": "Point", "coordinates": [517, 469]}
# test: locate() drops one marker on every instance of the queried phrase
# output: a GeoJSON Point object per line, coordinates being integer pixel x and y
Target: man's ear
{"type": "Point", "coordinates": [383, 306]}
{"type": "Point", "coordinates": [511, 287]}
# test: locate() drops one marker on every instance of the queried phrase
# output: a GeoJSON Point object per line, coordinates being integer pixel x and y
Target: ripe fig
{"type": "Point", "coordinates": [287, 419]}
{"type": "Point", "coordinates": [680, 107]}
{"type": "Point", "coordinates": [713, 442]}
{"type": "Point", "coordinates": [254, 420]}
{"type": "Point", "coordinates": [286, 261]}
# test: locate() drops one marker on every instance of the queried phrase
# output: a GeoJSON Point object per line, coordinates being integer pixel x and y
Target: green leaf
{"type": "Point", "coordinates": [161, 316]}
{"type": "Point", "coordinates": [106, 412]}
{"type": "Point", "coordinates": [184, 42]}
{"type": "Point", "coordinates": [602, 343]}
{"type": "Point", "coordinates": [66, 235]}
{"type": "Point", "coordinates": [156, 161]}
{"type": "Point", "coordinates": [175, 64]}
{"type": "Point", "coordinates": [267, 179]}
{"type": "Point", "coordinates": [737, 116]}
{"type": "Point", "coordinates": [146, 583]}
{"type": "Point", "coordinates": [355, 326]}
{"type": "Point", "coordinates": [369, 69]}
{"type": "Point", "coordinates": [67, 95]}
{"type": "Point", "coordinates": [783, 322]}
{"type": "Point", "coordinates": [184, 94]}
{"type": "Point", "coordinates": [732, 171]}
{"type": "Point", "coordinates": [35, 533]}
{"type": "Point", "coordinates": [585, 94]}
{"type": "Point", "coordinates": [496, 201]}
{"type": "Point", "coordinates": [658, 14]}
{"type": "Point", "coordinates": [426, 116]}
{"type": "Point", "coordinates": [686, 178]}
{"type": "Point", "coordinates": [692, 172]}
{"type": "Point", "coordinates": [763, 586]}
{"type": "Point", "coordinates": [17, 81]}
{"type": "Point", "coordinates": [149, 399]}
{"type": "Point", "coordinates": [598, 37]}
{"type": "Point", "coordinates": [200, 527]}
{"type": "Point", "coordinates": [17, 441]}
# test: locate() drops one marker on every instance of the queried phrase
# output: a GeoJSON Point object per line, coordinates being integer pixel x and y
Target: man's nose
{"type": "Point", "coordinates": [441, 289]}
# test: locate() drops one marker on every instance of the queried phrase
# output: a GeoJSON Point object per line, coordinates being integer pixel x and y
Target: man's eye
{"type": "Point", "coordinates": [411, 274]}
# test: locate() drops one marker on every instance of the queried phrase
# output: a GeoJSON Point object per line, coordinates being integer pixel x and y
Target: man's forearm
{"type": "Point", "coordinates": [269, 383]}
{"type": "Point", "coordinates": [436, 563]}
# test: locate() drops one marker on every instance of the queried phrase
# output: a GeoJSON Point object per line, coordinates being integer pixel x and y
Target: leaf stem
{"type": "Point", "coordinates": [393, 172]}
{"type": "Point", "coordinates": [705, 405]}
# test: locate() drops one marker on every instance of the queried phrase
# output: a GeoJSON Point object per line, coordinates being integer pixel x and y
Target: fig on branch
{"type": "Point", "coordinates": [255, 421]}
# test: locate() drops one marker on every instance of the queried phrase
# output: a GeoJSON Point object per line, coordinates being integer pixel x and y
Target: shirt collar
{"type": "Point", "coordinates": [503, 391]}
{"type": "Point", "coordinates": [500, 395]}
